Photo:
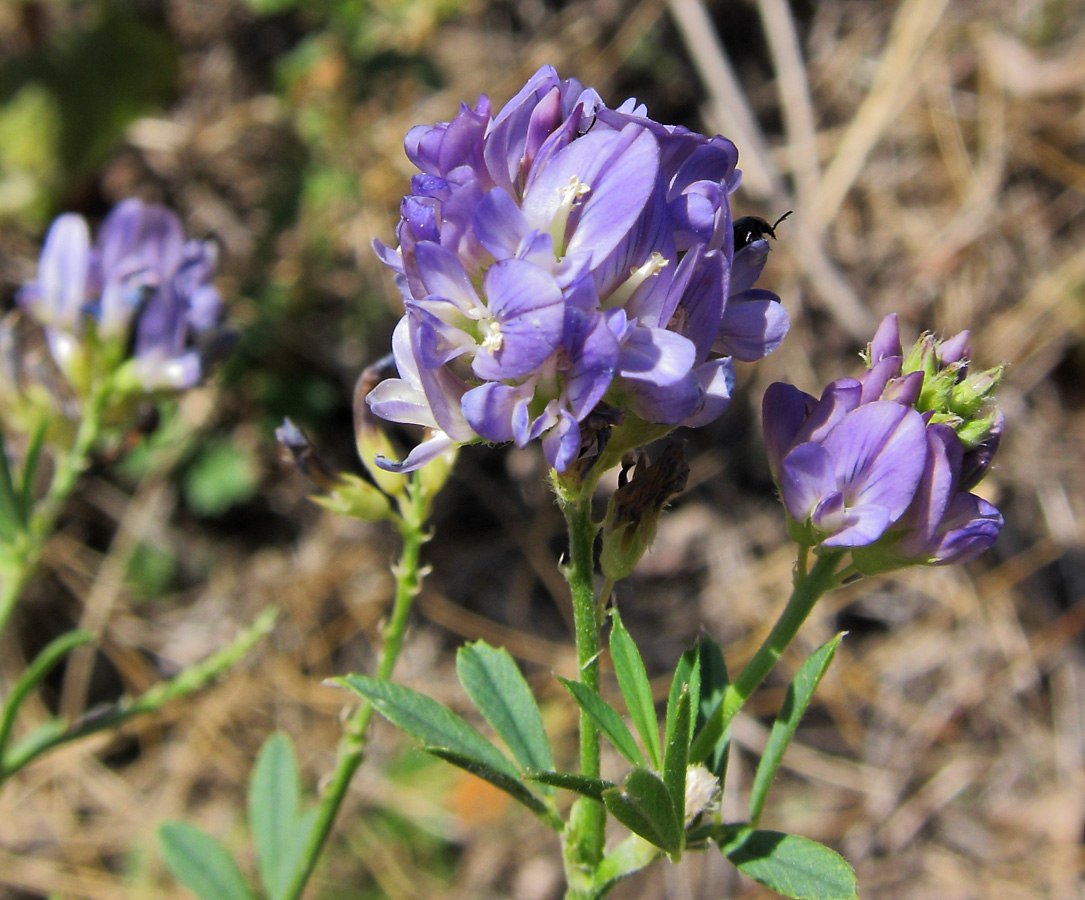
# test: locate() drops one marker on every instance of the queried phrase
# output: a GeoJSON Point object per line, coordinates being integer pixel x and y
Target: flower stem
{"type": "Point", "coordinates": [351, 750]}
{"type": "Point", "coordinates": [19, 567]}
{"type": "Point", "coordinates": [809, 588]}
{"type": "Point", "coordinates": [586, 831]}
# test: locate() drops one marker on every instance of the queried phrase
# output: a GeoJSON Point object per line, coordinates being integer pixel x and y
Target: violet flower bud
{"type": "Point", "coordinates": [559, 254]}
{"type": "Point", "coordinates": [883, 465]}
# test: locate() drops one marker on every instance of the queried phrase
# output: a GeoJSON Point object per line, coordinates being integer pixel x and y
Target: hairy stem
{"type": "Point", "coordinates": [586, 831]}
{"type": "Point", "coordinates": [351, 750]}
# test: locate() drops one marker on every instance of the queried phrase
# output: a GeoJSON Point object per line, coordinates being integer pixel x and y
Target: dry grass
{"type": "Point", "coordinates": [934, 154]}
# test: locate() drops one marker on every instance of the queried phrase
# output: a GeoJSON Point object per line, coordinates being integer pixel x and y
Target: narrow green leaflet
{"type": "Point", "coordinates": [608, 720]}
{"type": "Point", "coordinates": [636, 689]}
{"type": "Point", "coordinates": [643, 805]}
{"type": "Point", "coordinates": [495, 685]}
{"type": "Point", "coordinates": [570, 781]}
{"type": "Point", "coordinates": [11, 519]}
{"type": "Point", "coordinates": [677, 758]}
{"type": "Point", "coordinates": [273, 800]}
{"type": "Point", "coordinates": [510, 784]}
{"type": "Point", "coordinates": [793, 866]}
{"type": "Point", "coordinates": [30, 469]}
{"type": "Point", "coordinates": [798, 698]}
{"type": "Point", "coordinates": [628, 858]}
{"type": "Point", "coordinates": [201, 864]}
{"type": "Point", "coordinates": [687, 679]}
{"type": "Point", "coordinates": [714, 681]}
{"type": "Point", "coordinates": [428, 720]}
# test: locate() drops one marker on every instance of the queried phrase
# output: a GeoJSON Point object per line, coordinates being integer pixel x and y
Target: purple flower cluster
{"type": "Point", "coordinates": [883, 464]}
{"type": "Point", "coordinates": [141, 286]}
{"type": "Point", "coordinates": [558, 255]}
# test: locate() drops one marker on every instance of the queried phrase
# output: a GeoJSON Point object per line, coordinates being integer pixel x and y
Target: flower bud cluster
{"type": "Point", "coordinates": [135, 305]}
{"type": "Point", "coordinates": [559, 255]}
{"type": "Point", "coordinates": [884, 464]}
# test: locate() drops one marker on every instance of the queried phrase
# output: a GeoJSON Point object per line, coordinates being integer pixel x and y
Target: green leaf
{"type": "Point", "coordinates": [714, 681]}
{"type": "Point", "coordinates": [687, 674]}
{"type": "Point", "coordinates": [222, 476]}
{"type": "Point", "coordinates": [30, 469]}
{"type": "Point", "coordinates": [11, 520]}
{"type": "Point", "coordinates": [794, 866]}
{"type": "Point", "coordinates": [499, 691]}
{"type": "Point", "coordinates": [273, 799]}
{"type": "Point", "coordinates": [608, 720]}
{"type": "Point", "coordinates": [428, 720]}
{"type": "Point", "coordinates": [643, 805]}
{"type": "Point", "coordinates": [569, 781]}
{"type": "Point", "coordinates": [510, 784]}
{"type": "Point", "coordinates": [677, 758]}
{"type": "Point", "coordinates": [200, 863]}
{"type": "Point", "coordinates": [798, 698]}
{"type": "Point", "coordinates": [629, 857]}
{"type": "Point", "coordinates": [636, 689]}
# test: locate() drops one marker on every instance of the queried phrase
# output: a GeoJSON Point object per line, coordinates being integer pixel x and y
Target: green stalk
{"type": "Point", "coordinates": [58, 731]}
{"type": "Point", "coordinates": [586, 831]}
{"type": "Point", "coordinates": [809, 588]}
{"type": "Point", "coordinates": [351, 750]}
{"type": "Point", "coordinates": [18, 570]}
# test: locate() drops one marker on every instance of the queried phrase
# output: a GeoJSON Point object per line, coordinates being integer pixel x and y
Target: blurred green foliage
{"type": "Point", "coordinates": [65, 104]}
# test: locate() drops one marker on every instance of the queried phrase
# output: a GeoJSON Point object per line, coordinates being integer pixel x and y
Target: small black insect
{"type": "Point", "coordinates": [753, 228]}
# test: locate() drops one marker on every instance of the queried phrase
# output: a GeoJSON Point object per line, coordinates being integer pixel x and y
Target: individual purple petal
{"type": "Point", "coordinates": [593, 350]}
{"type": "Point", "coordinates": [860, 526]}
{"type": "Point", "coordinates": [752, 326]}
{"type": "Point", "coordinates": [58, 296]}
{"type": "Point", "coordinates": [717, 381]}
{"type": "Point", "coordinates": [837, 400]}
{"type": "Point", "coordinates": [527, 323]}
{"type": "Point", "coordinates": [437, 443]}
{"type": "Point", "coordinates": [499, 224]}
{"type": "Point", "coordinates": [784, 411]}
{"type": "Point", "coordinates": [489, 410]}
{"type": "Point", "coordinates": [936, 487]}
{"type": "Point", "coordinates": [807, 477]}
{"type": "Point", "coordinates": [747, 266]}
{"type": "Point", "coordinates": [443, 276]}
{"type": "Point", "coordinates": [561, 443]}
{"type": "Point", "coordinates": [879, 452]}
{"type": "Point", "coordinates": [656, 357]}
{"type": "Point", "coordinates": [970, 527]}
{"type": "Point", "coordinates": [886, 341]}
{"type": "Point", "coordinates": [953, 350]}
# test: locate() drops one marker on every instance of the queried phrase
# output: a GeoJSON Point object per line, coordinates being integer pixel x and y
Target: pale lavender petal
{"type": "Point", "coordinates": [784, 409]}
{"type": "Point", "coordinates": [62, 273]}
{"type": "Point", "coordinates": [656, 356]}
{"type": "Point", "coordinates": [879, 452]}
{"type": "Point", "coordinates": [717, 380]}
{"type": "Point", "coordinates": [443, 275]}
{"type": "Point", "coordinates": [753, 326]}
{"type": "Point", "coordinates": [862, 525]}
{"type": "Point", "coordinates": [886, 341]}
{"type": "Point", "coordinates": [499, 224]}
{"type": "Point", "coordinates": [489, 410]}
{"type": "Point", "coordinates": [953, 350]}
{"type": "Point", "coordinates": [806, 478]}
{"type": "Point", "coordinates": [437, 443]}
{"type": "Point", "coordinates": [561, 443]}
